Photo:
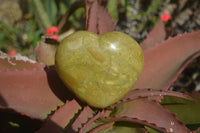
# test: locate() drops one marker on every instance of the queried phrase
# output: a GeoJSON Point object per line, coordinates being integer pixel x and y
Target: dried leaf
{"type": "Point", "coordinates": [34, 92]}
{"type": "Point", "coordinates": [146, 112]}
{"type": "Point", "coordinates": [17, 62]}
{"type": "Point", "coordinates": [46, 53]}
{"type": "Point", "coordinates": [157, 35]}
{"type": "Point", "coordinates": [61, 118]}
{"type": "Point", "coordinates": [164, 62]}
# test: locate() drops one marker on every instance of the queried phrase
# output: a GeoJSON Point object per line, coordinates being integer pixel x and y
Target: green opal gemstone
{"type": "Point", "coordinates": [99, 69]}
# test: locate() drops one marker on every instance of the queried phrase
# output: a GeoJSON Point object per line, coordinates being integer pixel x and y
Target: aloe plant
{"type": "Point", "coordinates": [33, 98]}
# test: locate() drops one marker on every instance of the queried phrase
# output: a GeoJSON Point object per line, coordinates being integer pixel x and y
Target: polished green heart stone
{"type": "Point", "coordinates": [99, 69]}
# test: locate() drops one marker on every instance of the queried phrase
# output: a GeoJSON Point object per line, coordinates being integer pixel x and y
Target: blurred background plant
{"type": "Point", "coordinates": [24, 22]}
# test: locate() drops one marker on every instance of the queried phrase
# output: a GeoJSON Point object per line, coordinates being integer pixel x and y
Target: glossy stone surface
{"type": "Point", "coordinates": [99, 69]}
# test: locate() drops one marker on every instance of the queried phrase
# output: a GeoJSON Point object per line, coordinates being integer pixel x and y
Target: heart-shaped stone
{"type": "Point", "coordinates": [99, 69]}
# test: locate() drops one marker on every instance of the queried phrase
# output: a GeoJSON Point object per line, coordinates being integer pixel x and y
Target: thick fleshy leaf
{"type": "Point", "coordinates": [164, 62]}
{"type": "Point", "coordinates": [18, 62]}
{"type": "Point", "coordinates": [148, 113]}
{"type": "Point", "coordinates": [186, 111]}
{"type": "Point", "coordinates": [157, 35]}
{"type": "Point", "coordinates": [102, 127]}
{"type": "Point", "coordinates": [34, 92]}
{"type": "Point", "coordinates": [105, 22]}
{"type": "Point", "coordinates": [135, 120]}
{"type": "Point", "coordinates": [99, 20]}
{"type": "Point", "coordinates": [92, 20]}
{"type": "Point", "coordinates": [150, 94]}
{"type": "Point", "coordinates": [83, 117]}
{"type": "Point", "coordinates": [91, 124]}
{"type": "Point", "coordinates": [120, 127]}
{"type": "Point", "coordinates": [61, 118]}
{"type": "Point", "coordinates": [15, 122]}
{"type": "Point", "coordinates": [138, 93]}
{"type": "Point", "coordinates": [46, 53]}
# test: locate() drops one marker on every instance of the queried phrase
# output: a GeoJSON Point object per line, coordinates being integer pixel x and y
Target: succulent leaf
{"type": "Point", "coordinates": [187, 111]}
{"type": "Point", "coordinates": [102, 127]}
{"type": "Point", "coordinates": [99, 20]}
{"type": "Point", "coordinates": [91, 124]}
{"type": "Point", "coordinates": [157, 35]}
{"type": "Point", "coordinates": [20, 88]}
{"type": "Point", "coordinates": [126, 127]}
{"type": "Point", "coordinates": [146, 112]}
{"type": "Point", "coordinates": [165, 61]}
{"type": "Point", "coordinates": [120, 127]}
{"type": "Point", "coordinates": [61, 118]}
{"type": "Point", "coordinates": [18, 62]}
{"type": "Point", "coordinates": [105, 22]}
{"type": "Point", "coordinates": [149, 93]}
{"type": "Point", "coordinates": [83, 117]}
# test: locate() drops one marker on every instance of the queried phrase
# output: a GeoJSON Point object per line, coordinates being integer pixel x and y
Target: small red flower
{"type": "Point", "coordinates": [165, 17]}
{"type": "Point", "coordinates": [51, 31]}
{"type": "Point", "coordinates": [11, 53]}
{"type": "Point", "coordinates": [54, 29]}
{"type": "Point", "coordinates": [55, 37]}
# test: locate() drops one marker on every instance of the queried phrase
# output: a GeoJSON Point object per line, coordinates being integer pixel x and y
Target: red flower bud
{"type": "Point", "coordinates": [11, 53]}
{"type": "Point", "coordinates": [55, 37]}
{"type": "Point", "coordinates": [165, 17]}
{"type": "Point", "coordinates": [54, 29]}
{"type": "Point", "coordinates": [49, 32]}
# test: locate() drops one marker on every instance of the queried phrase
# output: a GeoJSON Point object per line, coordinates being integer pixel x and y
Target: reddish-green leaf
{"type": "Point", "coordinates": [102, 127]}
{"type": "Point", "coordinates": [61, 118]}
{"type": "Point", "coordinates": [99, 20]}
{"type": "Point", "coordinates": [149, 113]}
{"type": "Point", "coordinates": [164, 62]}
{"type": "Point", "coordinates": [105, 22]}
{"type": "Point", "coordinates": [34, 92]}
{"type": "Point", "coordinates": [120, 127]}
{"type": "Point", "coordinates": [138, 93]}
{"type": "Point", "coordinates": [186, 111]}
{"type": "Point", "coordinates": [91, 124]}
{"type": "Point", "coordinates": [149, 93]}
{"type": "Point", "coordinates": [83, 117]}
{"type": "Point", "coordinates": [92, 20]}
{"type": "Point", "coordinates": [157, 35]}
